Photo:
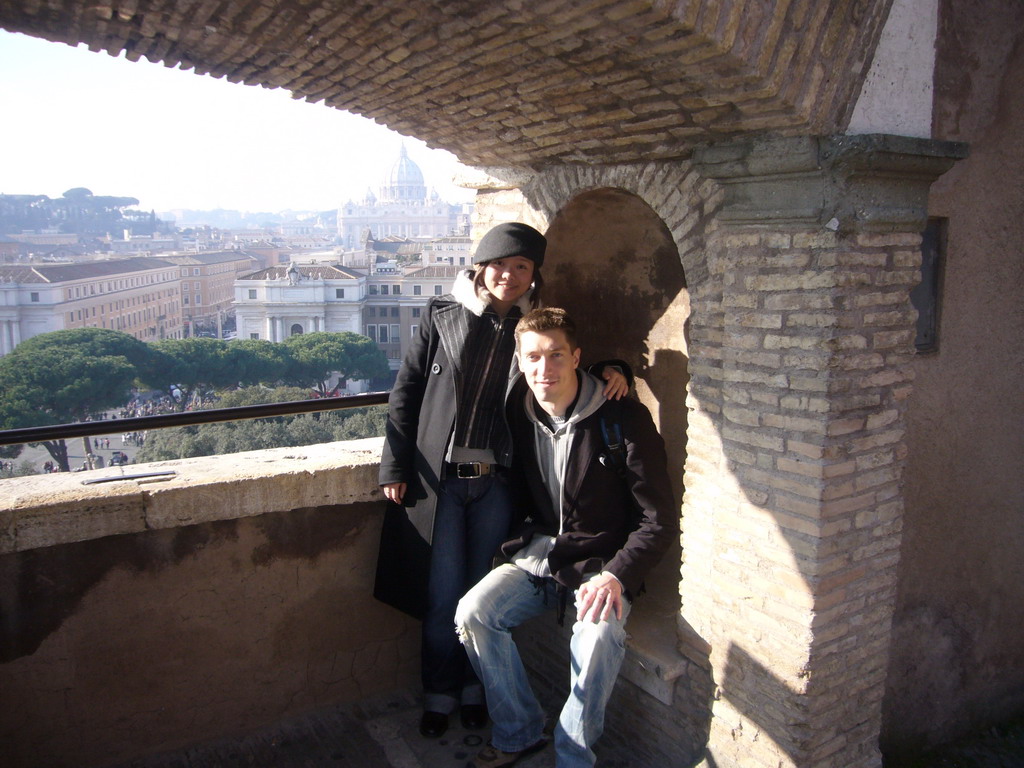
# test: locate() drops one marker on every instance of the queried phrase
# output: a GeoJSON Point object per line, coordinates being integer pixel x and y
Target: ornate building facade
{"type": "Point", "coordinates": [385, 304]}
{"type": "Point", "coordinates": [139, 295]}
{"type": "Point", "coordinates": [288, 299]}
{"type": "Point", "coordinates": [402, 207]}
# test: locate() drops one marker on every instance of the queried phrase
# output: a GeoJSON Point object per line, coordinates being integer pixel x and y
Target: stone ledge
{"type": "Point", "coordinates": [45, 510]}
{"type": "Point", "coordinates": [653, 661]}
{"type": "Point", "coordinates": [838, 183]}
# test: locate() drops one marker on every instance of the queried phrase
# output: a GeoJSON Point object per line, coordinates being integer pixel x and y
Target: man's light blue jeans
{"type": "Point", "coordinates": [504, 599]}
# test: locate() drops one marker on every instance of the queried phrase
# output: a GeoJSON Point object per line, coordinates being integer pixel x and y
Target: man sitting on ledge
{"type": "Point", "coordinates": [594, 521]}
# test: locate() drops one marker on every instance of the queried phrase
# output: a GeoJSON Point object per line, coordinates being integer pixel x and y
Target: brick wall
{"type": "Point", "coordinates": [799, 256]}
{"type": "Point", "coordinates": [513, 83]}
{"type": "Point", "coordinates": [792, 512]}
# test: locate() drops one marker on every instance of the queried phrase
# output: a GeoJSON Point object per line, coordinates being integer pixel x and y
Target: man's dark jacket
{"type": "Point", "coordinates": [612, 525]}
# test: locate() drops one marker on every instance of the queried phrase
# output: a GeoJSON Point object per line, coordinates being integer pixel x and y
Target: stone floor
{"type": "Point", "coordinates": [384, 733]}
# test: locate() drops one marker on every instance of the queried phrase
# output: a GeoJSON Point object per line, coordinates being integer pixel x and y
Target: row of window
{"type": "Point", "coordinates": [122, 303]}
{"type": "Point", "coordinates": [384, 290]}
{"type": "Point", "coordinates": [118, 285]}
{"type": "Point", "coordinates": [120, 322]}
{"type": "Point", "coordinates": [396, 290]}
{"type": "Point", "coordinates": [392, 311]}
{"type": "Point", "coordinates": [387, 333]}
{"type": "Point", "coordinates": [79, 291]}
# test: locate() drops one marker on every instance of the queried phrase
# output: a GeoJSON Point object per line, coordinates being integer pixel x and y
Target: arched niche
{"type": "Point", "coordinates": [613, 264]}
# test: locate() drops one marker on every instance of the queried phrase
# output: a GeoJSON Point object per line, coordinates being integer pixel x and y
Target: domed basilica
{"type": "Point", "coordinates": [402, 208]}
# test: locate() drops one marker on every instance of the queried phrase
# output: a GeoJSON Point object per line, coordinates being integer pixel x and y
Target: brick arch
{"type": "Point", "coordinates": [673, 190]}
{"type": "Point", "coordinates": [525, 85]}
{"type": "Point", "coordinates": [614, 265]}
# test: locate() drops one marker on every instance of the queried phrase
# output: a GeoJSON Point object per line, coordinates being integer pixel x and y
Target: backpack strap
{"type": "Point", "coordinates": [611, 432]}
{"type": "Point", "coordinates": [615, 455]}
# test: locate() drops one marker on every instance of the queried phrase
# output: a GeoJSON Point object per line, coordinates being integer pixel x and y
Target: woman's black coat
{"type": "Point", "coordinates": [421, 416]}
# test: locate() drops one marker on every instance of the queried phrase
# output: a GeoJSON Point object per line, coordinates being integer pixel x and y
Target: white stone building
{"type": "Point", "coordinates": [288, 299]}
{"type": "Point", "coordinates": [138, 295]}
{"type": "Point", "coordinates": [451, 249]}
{"type": "Point", "coordinates": [385, 305]}
{"type": "Point", "coordinates": [402, 207]}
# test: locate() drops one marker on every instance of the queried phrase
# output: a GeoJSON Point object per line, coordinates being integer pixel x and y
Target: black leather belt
{"type": "Point", "coordinates": [469, 470]}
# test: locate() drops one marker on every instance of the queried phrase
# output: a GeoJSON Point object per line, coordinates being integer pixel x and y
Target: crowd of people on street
{"type": "Point", "coordinates": [133, 438]}
{"type": "Point", "coordinates": [147, 406]}
{"type": "Point", "coordinates": [137, 406]}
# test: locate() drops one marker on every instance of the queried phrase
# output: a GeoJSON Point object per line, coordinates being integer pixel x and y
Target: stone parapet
{"type": "Point", "coordinates": [47, 510]}
{"type": "Point", "coordinates": [151, 614]}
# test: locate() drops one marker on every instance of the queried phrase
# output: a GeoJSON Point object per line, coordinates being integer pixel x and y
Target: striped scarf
{"type": "Point", "coordinates": [486, 362]}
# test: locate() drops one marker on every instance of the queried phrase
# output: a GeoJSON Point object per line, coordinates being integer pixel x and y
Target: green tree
{"type": "Point", "coordinates": [95, 342]}
{"type": "Point", "coordinates": [257, 434]}
{"type": "Point", "coordinates": [67, 376]}
{"type": "Point", "coordinates": [260, 361]}
{"type": "Point", "coordinates": [261, 396]}
{"type": "Point", "coordinates": [357, 423]}
{"type": "Point", "coordinates": [194, 367]}
{"type": "Point", "coordinates": [316, 357]}
{"type": "Point", "coordinates": [81, 211]}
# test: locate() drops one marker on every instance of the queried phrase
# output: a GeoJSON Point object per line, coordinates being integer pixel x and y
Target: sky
{"type": "Point", "coordinates": [174, 139]}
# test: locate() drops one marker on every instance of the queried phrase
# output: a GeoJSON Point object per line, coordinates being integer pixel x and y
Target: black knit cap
{"type": "Point", "coordinates": [513, 239]}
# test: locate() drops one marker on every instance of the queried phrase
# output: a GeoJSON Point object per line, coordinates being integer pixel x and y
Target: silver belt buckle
{"type": "Point", "coordinates": [470, 470]}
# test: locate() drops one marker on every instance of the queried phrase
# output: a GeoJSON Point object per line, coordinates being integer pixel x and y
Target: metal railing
{"type": "Point", "coordinates": [187, 418]}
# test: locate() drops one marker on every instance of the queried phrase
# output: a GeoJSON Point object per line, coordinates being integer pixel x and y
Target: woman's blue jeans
{"type": "Point", "coordinates": [504, 599]}
{"type": "Point", "coordinates": [470, 523]}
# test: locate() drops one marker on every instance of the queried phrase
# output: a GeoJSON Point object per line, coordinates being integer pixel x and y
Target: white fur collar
{"type": "Point", "coordinates": [475, 302]}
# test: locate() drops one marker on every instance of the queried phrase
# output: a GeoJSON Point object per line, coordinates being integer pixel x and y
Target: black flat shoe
{"type": "Point", "coordinates": [433, 724]}
{"type": "Point", "coordinates": [473, 716]}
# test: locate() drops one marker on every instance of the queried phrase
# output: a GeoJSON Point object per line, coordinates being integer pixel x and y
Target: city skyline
{"type": "Point", "coordinates": [175, 140]}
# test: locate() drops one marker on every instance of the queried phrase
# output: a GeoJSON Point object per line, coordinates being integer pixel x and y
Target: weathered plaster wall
{"type": "Point", "coordinates": [958, 649]}
{"type": "Point", "coordinates": [897, 93]}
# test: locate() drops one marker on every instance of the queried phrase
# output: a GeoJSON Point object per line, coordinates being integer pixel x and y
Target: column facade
{"type": "Point", "coordinates": [799, 346]}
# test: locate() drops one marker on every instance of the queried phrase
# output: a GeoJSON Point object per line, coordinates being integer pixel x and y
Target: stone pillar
{"type": "Point", "coordinates": [499, 198]}
{"type": "Point", "coordinates": [792, 512]}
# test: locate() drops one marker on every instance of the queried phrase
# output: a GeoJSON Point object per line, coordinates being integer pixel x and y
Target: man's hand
{"type": "Point", "coordinates": [394, 492]}
{"type": "Point", "coordinates": [616, 386]}
{"type": "Point", "coordinates": [598, 597]}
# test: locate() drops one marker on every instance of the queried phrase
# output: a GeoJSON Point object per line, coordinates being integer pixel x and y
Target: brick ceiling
{"type": "Point", "coordinates": [519, 83]}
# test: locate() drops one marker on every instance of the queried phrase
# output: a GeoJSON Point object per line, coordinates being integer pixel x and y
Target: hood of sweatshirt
{"type": "Point", "coordinates": [554, 446]}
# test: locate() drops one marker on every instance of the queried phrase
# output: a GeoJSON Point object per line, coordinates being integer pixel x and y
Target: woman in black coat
{"type": "Point", "coordinates": [446, 456]}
